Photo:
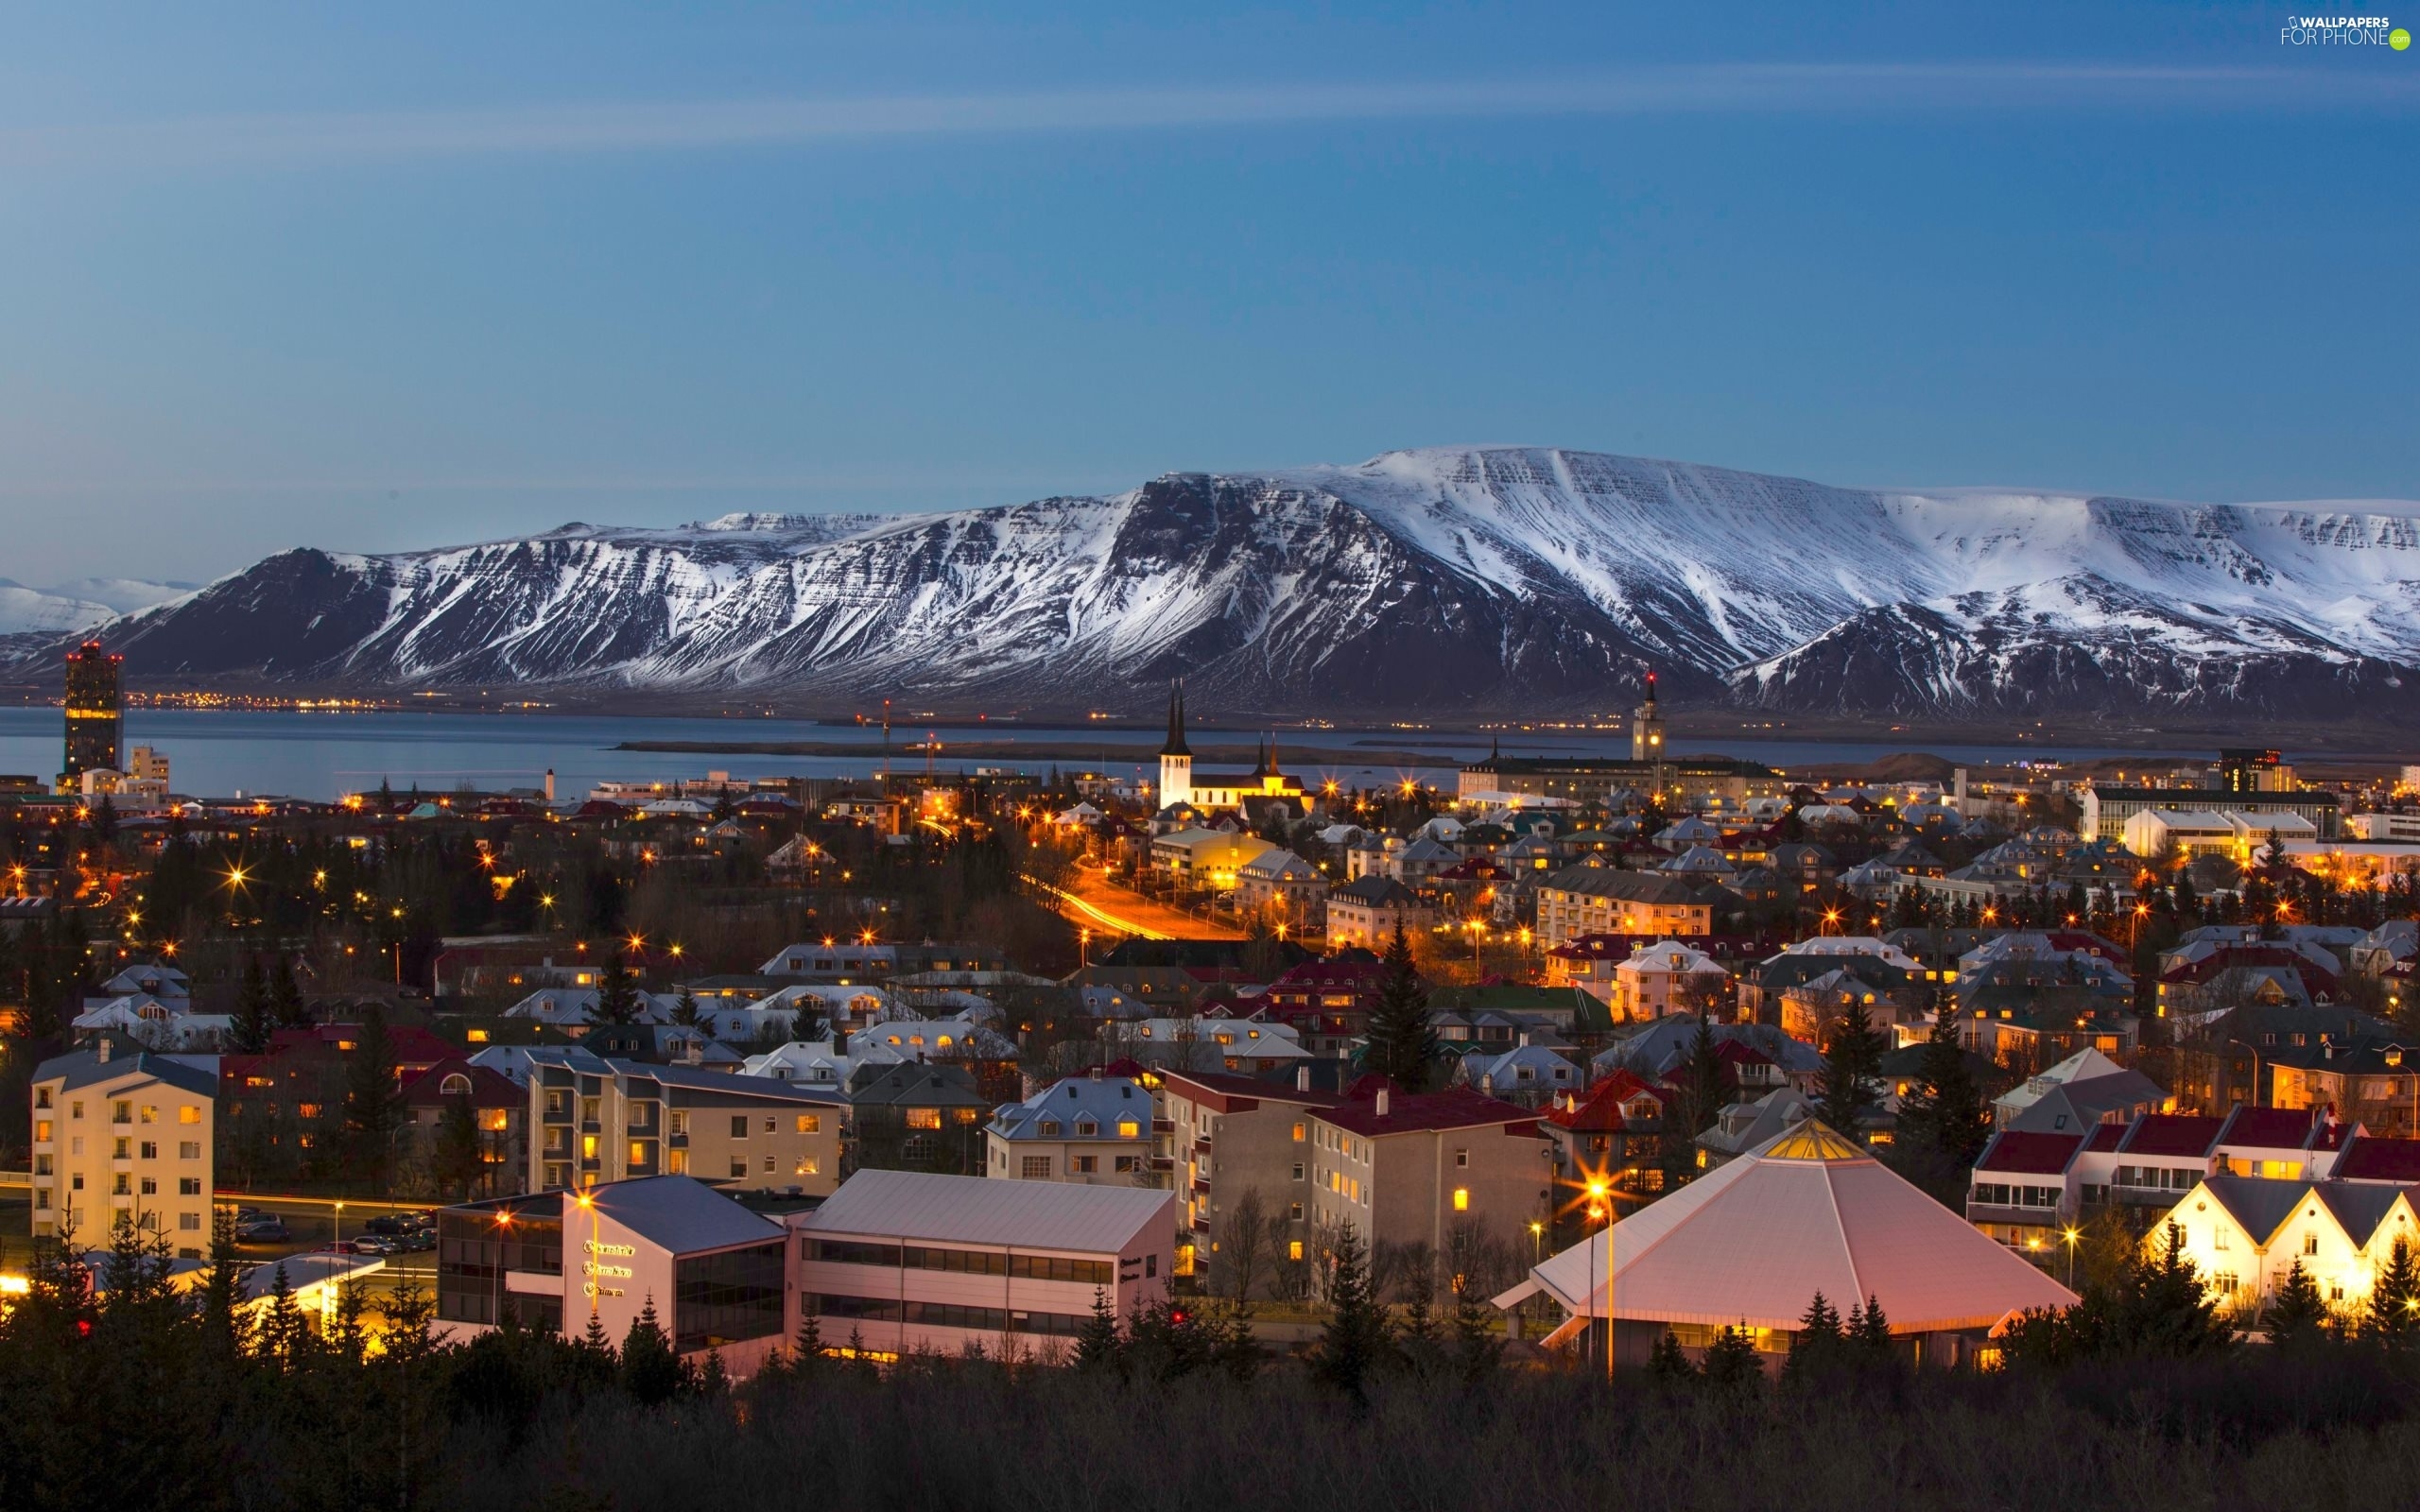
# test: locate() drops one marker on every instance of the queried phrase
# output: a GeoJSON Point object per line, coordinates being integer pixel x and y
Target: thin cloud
{"type": "Point", "coordinates": [237, 141]}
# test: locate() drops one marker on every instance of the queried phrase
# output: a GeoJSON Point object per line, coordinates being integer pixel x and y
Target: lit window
{"type": "Point", "coordinates": [1461, 1199]}
{"type": "Point", "coordinates": [189, 1114]}
{"type": "Point", "coordinates": [810, 1122]}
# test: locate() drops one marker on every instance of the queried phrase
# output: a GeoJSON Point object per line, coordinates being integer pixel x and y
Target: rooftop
{"type": "Point", "coordinates": [1051, 1215]}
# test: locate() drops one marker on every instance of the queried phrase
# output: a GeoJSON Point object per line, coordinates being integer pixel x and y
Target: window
{"type": "Point", "coordinates": [1298, 1170]}
{"type": "Point", "coordinates": [1461, 1199]}
{"type": "Point", "coordinates": [150, 1113]}
{"type": "Point", "coordinates": [807, 1165]}
{"type": "Point", "coordinates": [188, 1186]}
{"type": "Point", "coordinates": [76, 1109]}
{"type": "Point", "coordinates": [675, 1162]}
{"type": "Point", "coordinates": [738, 1166]}
{"type": "Point", "coordinates": [1130, 1162]}
{"type": "Point", "coordinates": [680, 1122]}
{"type": "Point", "coordinates": [923, 1118]}
{"type": "Point", "coordinates": [769, 1165]}
{"type": "Point", "coordinates": [41, 1131]}
{"type": "Point", "coordinates": [739, 1126]}
{"type": "Point", "coordinates": [2219, 1237]}
{"type": "Point", "coordinates": [1050, 1128]}
{"type": "Point", "coordinates": [1087, 1129]}
{"type": "Point", "coordinates": [639, 1152]}
{"type": "Point", "coordinates": [1301, 1132]}
{"type": "Point", "coordinates": [121, 1149]}
{"type": "Point", "coordinates": [189, 1149]}
{"type": "Point", "coordinates": [2310, 1244]}
{"type": "Point", "coordinates": [1462, 1159]}
{"type": "Point", "coordinates": [151, 1186]}
{"type": "Point", "coordinates": [1128, 1128]}
{"type": "Point", "coordinates": [557, 1103]}
{"type": "Point", "coordinates": [189, 1221]}
{"type": "Point", "coordinates": [813, 1123]}
{"type": "Point", "coordinates": [122, 1112]}
{"type": "Point", "coordinates": [120, 1187]}
{"type": "Point", "coordinates": [150, 1149]}
{"type": "Point", "coordinates": [1035, 1168]}
{"type": "Point", "coordinates": [588, 1146]}
{"type": "Point", "coordinates": [1083, 1165]}
{"type": "Point", "coordinates": [772, 1123]}
{"type": "Point", "coordinates": [1293, 1249]}
{"type": "Point", "coordinates": [42, 1097]}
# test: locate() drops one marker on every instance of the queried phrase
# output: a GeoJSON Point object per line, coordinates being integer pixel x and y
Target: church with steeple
{"type": "Point", "coordinates": [1213, 792]}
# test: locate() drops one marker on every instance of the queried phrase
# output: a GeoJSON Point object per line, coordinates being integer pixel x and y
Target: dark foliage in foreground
{"type": "Point", "coordinates": [149, 1400]}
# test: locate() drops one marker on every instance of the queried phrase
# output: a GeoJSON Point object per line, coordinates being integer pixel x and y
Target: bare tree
{"type": "Point", "coordinates": [1244, 1245]}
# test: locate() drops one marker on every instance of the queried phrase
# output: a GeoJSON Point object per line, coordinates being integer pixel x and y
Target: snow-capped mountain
{"type": "Point", "coordinates": [1447, 580]}
{"type": "Point", "coordinates": [75, 605]}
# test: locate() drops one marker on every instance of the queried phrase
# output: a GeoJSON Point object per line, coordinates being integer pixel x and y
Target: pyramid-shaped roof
{"type": "Point", "coordinates": [1808, 1211]}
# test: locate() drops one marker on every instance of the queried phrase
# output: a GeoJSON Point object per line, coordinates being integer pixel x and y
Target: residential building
{"type": "Point", "coordinates": [2369, 1080]}
{"type": "Point", "coordinates": [1585, 898]}
{"type": "Point", "coordinates": [1670, 977]}
{"type": "Point", "coordinates": [900, 1262]}
{"type": "Point", "coordinates": [1612, 1134]}
{"type": "Point", "coordinates": [1246, 1046]}
{"type": "Point", "coordinates": [598, 1120]}
{"type": "Point", "coordinates": [1093, 1130]}
{"type": "Point", "coordinates": [499, 1112]}
{"type": "Point", "coordinates": [123, 1139]}
{"type": "Point", "coordinates": [1425, 1168]}
{"type": "Point", "coordinates": [2243, 1234]}
{"type": "Point", "coordinates": [1229, 1136]}
{"type": "Point", "coordinates": [1367, 911]}
{"type": "Point", "coordinates": [1282, 886]}
{"type": "Point", "coordinates": [909, 1117]}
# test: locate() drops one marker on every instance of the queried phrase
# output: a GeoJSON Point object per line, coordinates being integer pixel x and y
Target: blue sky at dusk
{"type": "Point", "coordinates": [303, 274]}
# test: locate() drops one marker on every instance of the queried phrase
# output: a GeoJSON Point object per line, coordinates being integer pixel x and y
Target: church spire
{"type": "Point", "coordinates": [1176, 745]}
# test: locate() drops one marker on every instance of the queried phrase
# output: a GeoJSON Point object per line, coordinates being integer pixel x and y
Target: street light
{"type": "Point", "coordinates": [2070, 1236]}
{"type": "Point", "coordinates": [1601, 1193]}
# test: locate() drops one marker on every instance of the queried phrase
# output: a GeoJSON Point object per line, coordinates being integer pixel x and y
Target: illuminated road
{"type": "Point", "coordinates": [1097, 903]}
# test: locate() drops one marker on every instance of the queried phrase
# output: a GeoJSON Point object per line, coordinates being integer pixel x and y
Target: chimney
{"type": "Point", "coordinates": [1097, 1070]}
{"type": "Point", "coordinates": [101, 1056]}
{"type": "Point", "coordinates": [1302, 1079]}
{"type": "Point", "coordinates": [1382, 1102]}
{"type": "Point", "coordinates": [1525, 1038]}
{"type": "Point", "coordinates": [839, 1041]}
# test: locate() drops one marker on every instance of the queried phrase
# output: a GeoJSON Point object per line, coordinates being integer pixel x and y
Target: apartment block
{"type": "Point", "coordinates": [123, 1139]}
{"type": "Point", "coordinates": [596, 1120]}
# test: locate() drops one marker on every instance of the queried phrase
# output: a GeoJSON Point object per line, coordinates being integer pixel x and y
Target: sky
{"type": "Point", "coordinates": [371, 278]}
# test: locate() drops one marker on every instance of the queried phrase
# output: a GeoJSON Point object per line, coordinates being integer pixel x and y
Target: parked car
{"type": "Point", "coordinates": [389, 1225]}
{"type": "Point", "coordinates": [366, 1245]}
{"type": "Point", "coordinates": [262, 1231]}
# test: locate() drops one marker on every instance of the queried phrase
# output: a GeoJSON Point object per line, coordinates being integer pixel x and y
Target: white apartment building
{"type": "Point", "coordinates": [123, 1139]}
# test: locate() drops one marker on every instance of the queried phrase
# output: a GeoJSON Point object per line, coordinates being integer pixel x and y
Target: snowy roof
{"type": "Point", "coordinates": [1049, 1216]}
{"type": "Point", "coordinates": [1754, 1241]}
{"type": "Point", "coordinates": [1060, 1111]}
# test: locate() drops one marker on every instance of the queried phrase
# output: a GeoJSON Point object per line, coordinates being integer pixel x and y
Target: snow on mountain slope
{"type": "Point", "coordinates": [1448, 579]}
{"type": "Point", "coordinates": [24, 608]}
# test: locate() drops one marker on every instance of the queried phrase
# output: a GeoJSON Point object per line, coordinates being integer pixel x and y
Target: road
{"type": "Point", "coordinates": [1103, 906]}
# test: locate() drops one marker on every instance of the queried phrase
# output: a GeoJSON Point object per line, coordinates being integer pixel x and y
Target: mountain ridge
{"type": "Point", "coordinates": [1449, 580]}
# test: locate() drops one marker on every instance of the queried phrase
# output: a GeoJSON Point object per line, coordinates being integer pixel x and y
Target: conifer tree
{"type": "Point", "coordinates": [714, 1379]}
{"type": "Point", "coordinates": [1420, 1342]}
{"type": "Point", "coordinates": [285, 996]}
{"type": "Point", "coordinates": [1852, 1065]}
{"type": "Point", "coordinates": [1666, 1362]}
{"type": "Point", "coordinates": [652, 1372]}
{"type": "Point", "coordinates": [1819, 1342]}
{"type": "Point", "coordinates": [2299, 1313]}
{"type": "Point", "coordinates": [807, 1346]}
{"type": "Point", "coordinates": [1354, 1342]}
{"type": "Point", "coordinates": [1099, 1344]}
{"type": "Point", "coordinates": [1944, 1120]}
{"type": "Point", "coordinates": [373, 1101]}
{"type": "Point", "coordinates": [1403, 1045]}
{"type": "Point", "coordinates": [2394, 1298]}
{"type": "Point", "coordinates": [254, 1018]}
{"type": "Point", "coordinates": [685, 1008]}
{"type": "Point", "coordinates": [618, 996]}
{"type": "Point", "coordinates": [1868, 1333]}
{"type": "Point", "coordinates": [459, 1157]}
{"type": "Point", "coordinates": [1730, 1359]}
{"type": "Point", "coordinates": [1478, 1352]}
